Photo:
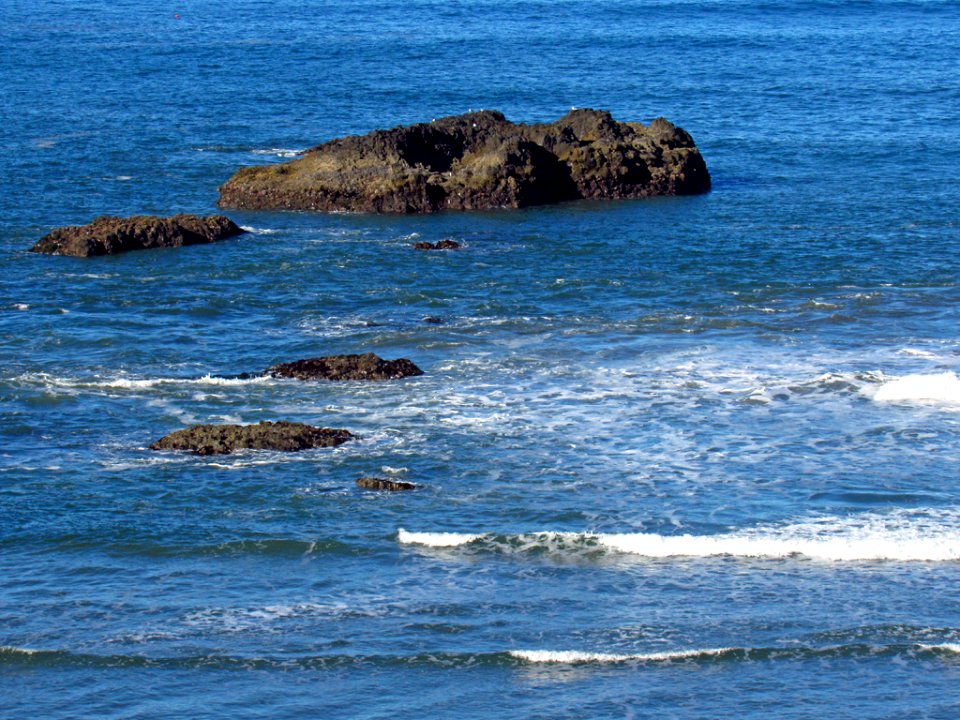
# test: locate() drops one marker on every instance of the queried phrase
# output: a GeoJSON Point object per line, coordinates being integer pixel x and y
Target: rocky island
{"type": "Point", "coordinates": [478, 161]}
{"type": "Point", "coordinates": [108, 235]}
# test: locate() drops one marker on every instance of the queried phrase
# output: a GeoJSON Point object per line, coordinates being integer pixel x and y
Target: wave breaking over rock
{"type": "Point", "coordinates": [479, 161]}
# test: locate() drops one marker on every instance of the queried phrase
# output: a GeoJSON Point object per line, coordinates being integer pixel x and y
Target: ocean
{"type": "Point", "coordinates": [682, 457]}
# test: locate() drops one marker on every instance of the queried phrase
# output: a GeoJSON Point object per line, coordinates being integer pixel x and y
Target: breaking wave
{"type": "Point", "coordinates": [941, 388]}
{"type": "Point", "coordinates": [127, 383]}
{"type": "Point", "coordinates": [11, 656]}
{"type": "Point", "coordinates": [908, 535]}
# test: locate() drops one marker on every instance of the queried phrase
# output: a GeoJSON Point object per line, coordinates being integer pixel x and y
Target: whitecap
{"type": "Point", "coordinates": [915, 535]}
{"type": "Point", "coordinates": [435, 539]}
{"type": "Point", "coordinates": [571, 657]}
{"type": "Point", "coordinates": [258, 231]}
{"type": "Point", "coordinates": [125, 383]}
{"type": "Point", "coordinates": [279, 152]}
{"type": "Point", "coordinates": [942, 647]}
{"type": "Point", "coordinates": [941, 388]}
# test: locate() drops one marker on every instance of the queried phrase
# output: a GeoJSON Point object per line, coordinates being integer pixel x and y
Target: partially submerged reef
{"type": "Point", "coordinates": [108, 235]}
{"type": "Point", "coordinates": [346, 367]}
{"type": "Point", "coordinates": [377, 483]}
{"type": "Point", "coordinates": [479, 161]}
{"type": "Point", "coordinates": [225, 439]}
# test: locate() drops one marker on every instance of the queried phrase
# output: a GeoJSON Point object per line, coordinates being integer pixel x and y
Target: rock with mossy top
{"type": "Point", "coordinates": [478, 161]}
{"type": "Point", "coordinates": [224, 439]}
{"type": "Point", "coordinates": [346, 367]}
{"type": "Point", "coordinates": [108, 235]}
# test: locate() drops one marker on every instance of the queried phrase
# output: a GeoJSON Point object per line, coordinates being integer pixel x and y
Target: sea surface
{"type": "Point", "coordinates": [690, 457]}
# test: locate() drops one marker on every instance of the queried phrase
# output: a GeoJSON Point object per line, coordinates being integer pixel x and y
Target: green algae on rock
{"type": "Point", "coordinates": [478, 161]}
{"type": "Point", "coordinates": [224, 439]}
{"type": "Point", "coordinates": [108, 235]}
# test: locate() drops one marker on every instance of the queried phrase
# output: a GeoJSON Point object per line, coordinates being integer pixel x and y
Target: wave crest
{"type": "Point", "coordinates": [916, 535]}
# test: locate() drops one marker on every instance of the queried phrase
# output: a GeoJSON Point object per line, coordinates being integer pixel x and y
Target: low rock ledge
{"type": "Point", "coordinates": [108, 235]}
{"type": "Point", "coordinates": [224, 439]}
{"type": "Point", "coordinates": [375, 483]}
{"type": "Point", "coordinates": [346, 367]}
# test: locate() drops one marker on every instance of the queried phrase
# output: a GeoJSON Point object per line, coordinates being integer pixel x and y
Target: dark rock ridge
{"type": "Point", "coordinates": [223, 439]}
{"type": "Point", "coordinates": [109, 235]}
{"type": "Point", "coordinates": [346, 367]}
{"type": "Point", "coordinates": [375, 483]}
{"type": "Point", "coordinates": [477, 161]}
{"type": "Point", "coordinates": [441, 245]}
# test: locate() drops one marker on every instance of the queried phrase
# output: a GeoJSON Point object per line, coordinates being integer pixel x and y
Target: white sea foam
{"type": "Point", "coordinates": [570, 657]}
{"type": "Point", "coordinates": [279, 152]}
{"type": "Point", "coordinates": [258, 231]}
{"type": "Point", "coordinates": [916, 352]}
{"type": "Point", "coordinates": [435, 539]}
{"type": "Point", "coordinates": [21, 306]}
{"type": "Point", "coordinates": [941, 388]}
{"type": "Point", "coordinates": [942, 647]}
{"type": "Point", "coordinates": [124, 383]}
{"type": "Point", "coordinates": [903, 535]}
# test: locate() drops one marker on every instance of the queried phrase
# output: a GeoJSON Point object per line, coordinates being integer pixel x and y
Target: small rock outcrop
{"type": "Point", "coordinates": [440, 245]}
{"type": "Point", "coordinates": [346, 367]}
{"type": "Point", "coordinates": [375, 483]}
{"type": "Point", "coordinates": [109, 235]}
{"type": "Point", "coordinates": [478, 161]}
{"type": "Point", "coordinates": [224, 439]}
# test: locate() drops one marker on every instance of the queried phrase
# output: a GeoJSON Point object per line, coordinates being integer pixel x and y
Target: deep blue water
{"type": "Point", "coordinates": [700, 455]}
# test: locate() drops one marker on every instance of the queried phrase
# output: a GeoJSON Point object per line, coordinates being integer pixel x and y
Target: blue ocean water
{"type": "Point", "coordinates": [687, 457]}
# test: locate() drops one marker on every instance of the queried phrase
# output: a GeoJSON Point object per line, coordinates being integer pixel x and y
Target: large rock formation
{"type": "Point", "coordinates": [223, 439]}
{"type": "Point", "coordinates": [476, 161]}
{"type": "Point", "coordinates": [109, 235]}
{"type": "Point", "coordinates": [346, 367]}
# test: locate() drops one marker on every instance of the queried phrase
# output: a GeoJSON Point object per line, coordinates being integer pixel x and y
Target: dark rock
{"type": "Point", "coordinates": [477, 161]}
{"type": "Point", "coordinates": [374, 483]}
{"type": "Point", "coordinates": [110, 235]}
{"type": "Point", "coordinates": [223, 439]}
{"type": "Point", "coordinates": [433, 320]}
{"type": "Point", "coordinates": [441, 245]}
{"type": "Point", "coordinates": [346, 367]}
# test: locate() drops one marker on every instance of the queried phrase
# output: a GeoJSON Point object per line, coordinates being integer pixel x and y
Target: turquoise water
{"type": "Point", "coordinates": [686, 457]}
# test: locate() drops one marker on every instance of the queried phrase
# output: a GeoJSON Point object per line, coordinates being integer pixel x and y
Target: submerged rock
{"type": "Point", "coordinates": [477, 161]}
{"type": "Point", "coordinates": [223, 439]}
{"type": "Point", "coordinates": [346, 367]}
{"type": "Point", "coordinates": [375, 483]}
{"type": "Point", "coordinates": [109, 235]}
{"type": "Point", "coordinates": [440, 245]}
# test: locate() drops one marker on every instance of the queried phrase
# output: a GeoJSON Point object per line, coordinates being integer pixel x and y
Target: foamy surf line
{"type": "Point", "coordinates": [857, 650]}
{"type": "Point", "coordinates": [576, 657]}
{"type": "Point", "coordinates": [904, 536]}
{"type": "Point", "coordinates": [145, 383]}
